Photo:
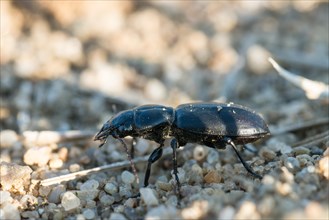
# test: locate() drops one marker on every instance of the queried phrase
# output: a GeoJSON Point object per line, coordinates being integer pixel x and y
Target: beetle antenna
{"type": "Point", "coordinates": [130, 160]}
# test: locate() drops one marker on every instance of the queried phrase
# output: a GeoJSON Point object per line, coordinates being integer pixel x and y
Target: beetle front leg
{"type": "Point", "coordinates": [155, 155]}
{"type": "Point", "coordinates": [174, 146]}
{"type": "Point", "coordinates": [248, 168]}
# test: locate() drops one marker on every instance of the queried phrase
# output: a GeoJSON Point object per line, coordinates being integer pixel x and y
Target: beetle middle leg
{"type": "Point", "coordinates": [155, 155]}
{"type": "Point", "coordinates": [248, 168]}
{"type": "Point", "coordinates": [174, 146]}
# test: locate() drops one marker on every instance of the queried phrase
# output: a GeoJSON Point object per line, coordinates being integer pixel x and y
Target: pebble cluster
{"type": "Point", "coordinates": [65, 71]}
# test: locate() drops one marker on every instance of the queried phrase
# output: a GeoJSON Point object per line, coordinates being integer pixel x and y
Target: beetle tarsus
{"type": "Point", "coordinates": [130, 160]}
{"type": "Point", "coordinates": [173, 144]}
{"type": "Point", "coordinates": [248, 168]}
{"type": "Point", "coordinates": [155, 155]}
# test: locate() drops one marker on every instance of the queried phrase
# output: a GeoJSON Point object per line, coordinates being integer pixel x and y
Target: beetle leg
{"type": "Point", "coordinates": [248, 168]}
{"type": "Point", "coordinates": [155, 155]}
{"type": "Point", "coordinates": [132, 149]}
{"type": "Point", "coordinates": [173, 144]}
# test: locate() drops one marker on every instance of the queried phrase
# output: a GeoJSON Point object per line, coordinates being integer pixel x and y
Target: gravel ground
{"type": "Point", "coordinates": [68, 67]}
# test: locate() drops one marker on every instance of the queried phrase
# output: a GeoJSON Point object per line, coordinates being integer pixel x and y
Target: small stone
{"type": "Point", "coordinates": [14, 178]}
{"type": "Point", "coordinates": [227, 213]}
{"type": "Point", "coordinates": [162, 212]}
{"type": "Point", "coordinates": [70, 201]}
{"type": "Point", "coordinates": [200, 153]}
{"type": "Point", "coordinates": [5, 197]}
{"type": "Point", "coordinates": [54, 195]}
{"type": "Point", "coordinates": [74, 168]}
{"type": "Point", "coordinates": [111, 188]}
{"type": "Point", "coordinates": [301, 150]}
{"type": "Point", "coordinates": [257, 59]}
{"type": "Point", "coordinates": [8, 138]}
{"type": "Point", "coordinates": [87, 194]}
{"type": "Point", "coordinates": [90, 204]}
{"type": "Point", "coordinates": [63, 153]}
{"type": "Point", "coordinates": [44, 190]}
{"type": "Point", "coordinates": [131, 202]}
{"type": "Point", "coordinates": [166, 186]}
{"type": "Point", "coordinates": [212, 177]}
{"type": "Point", "coordinates": [127, 177]}
{"type": "Point", "coordinates": [172, 201]}
{"type": "Point", "coordinates": [89, 185]}
{"type": "Point", "coordinates": [197, 210]}
{"type": "Point", "coordinates": [55, 163]}
{"type": "Point", "coordinates": [315, 210]}
{"type": "Point", "coordinates": [119, 208]}
{"type": "Point", "coordinates": [37, 155]}
{"type": "Point", "coordinates": [117, 216]}
{"type": "Point", "coordinates": [324, 167]}
{"type": "Point", "coordinates": [213, 156]}
{"type": "Point", "coordinates": [9, 211]}
{"type": "Point", "coordinates": [148, 196]}
{"type": "Point", "coordinates": [276, 146]}
{"type": "Point", "coordinates": [155, 90]}
{"type": "Point", "coordinates": [283, 188]}
{"type": "Point", "coordinates": [107, 200]}
{"type": "Point", "coordinates": [292, 164]}
{"type": "Point", "coordinates": [142, 146]}
{"type": "Point", "coordinates": [28, 201]}
{"type": "Point", "coordinates": [30, 215]}
{"type": "Point", "coordinates": [247, 211]}
{"type": "Point", "coordinates": [125, 191]}
{"type": "Point", "coordinates": [88, 214]}
{"type": "Point", "coordinates": [195, 174]}
{"type": "Point", "coordinates": [267, 154]}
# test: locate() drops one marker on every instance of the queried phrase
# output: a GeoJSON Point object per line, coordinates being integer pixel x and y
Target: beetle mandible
{"type": "Point", "coordinates": [208, 123]}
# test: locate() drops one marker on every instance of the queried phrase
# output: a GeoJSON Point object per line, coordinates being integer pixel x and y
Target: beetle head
{"type": "Point", "coordinates": [119, 126]}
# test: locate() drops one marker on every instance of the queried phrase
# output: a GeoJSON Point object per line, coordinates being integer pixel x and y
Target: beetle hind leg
{"type": "Point", "coordinates": [155, 155]}
{"type": "Point", "coordinates": [248, 168]}
{"type": "Point", "coordinates": [174, 146]}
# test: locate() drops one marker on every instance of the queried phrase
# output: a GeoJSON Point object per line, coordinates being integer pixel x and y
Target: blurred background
{"type": "Point", "coordinates": [71, 64]}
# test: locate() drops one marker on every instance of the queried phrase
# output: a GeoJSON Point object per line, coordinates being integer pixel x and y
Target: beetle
{"type": "Point", "coordinates": [207, 123]}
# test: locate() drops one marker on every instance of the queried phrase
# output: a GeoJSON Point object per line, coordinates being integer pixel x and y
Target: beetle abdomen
{"type": "Point", "coordinates": [219, 119]}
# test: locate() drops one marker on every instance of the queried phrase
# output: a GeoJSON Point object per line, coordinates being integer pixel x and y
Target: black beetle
{"type": "Point", "coordinates": [212, 124]}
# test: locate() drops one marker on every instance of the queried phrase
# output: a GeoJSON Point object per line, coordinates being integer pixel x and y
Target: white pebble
{"type": "Point", "coordinates": [9, 211]}
{"type": "Point", "coordinates": [74, 167]}
{"type": "Point", "coordinates": [88, 214]}
{"type": "Point", "coordinates": [127, 177]}
{"type": "Point", "coordinates": [70, 201]}
{"type": "Point", "coordinates": [37, 155]}
{"type": "Point", "coordinates": [5, 197]}
{"type": "Point", "coordinates": [8, 138]}
{"type": "Point", "coordinates": [55, 163]}
{"type": "Point", "coordinates": [148, 197]}
{"type": "Point", "coordinates": [89, 185]}
{"type": "Point", "coordinates": [200, 153]}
